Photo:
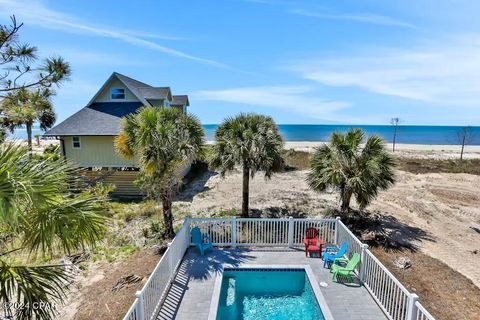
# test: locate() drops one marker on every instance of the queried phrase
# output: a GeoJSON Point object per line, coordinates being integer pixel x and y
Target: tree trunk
{"type": "Point", "coordinates": [29, 136]}
{"type": "Point", "coordinates": [394, 137]}
{"type": "Point", "coordinates": [167, 214]}
{"type": "Point", "coordinates": [345, 196]}
{"type": "Point", "coordinates": [463, 146]}
{"type": "Point", "coordinates": [245, 191]}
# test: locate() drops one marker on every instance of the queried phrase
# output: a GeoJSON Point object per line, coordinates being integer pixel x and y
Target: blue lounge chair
{"type": "Point", "coordinates": [202, 243]}
{"type": "Point", "coordinates": [330, 255]}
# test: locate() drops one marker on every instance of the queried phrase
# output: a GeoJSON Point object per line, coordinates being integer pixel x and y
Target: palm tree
{"type": "Point", "coordinates": [38, 210]}
{"type": "Point", "coordinates": [163, 140]}
{"type": "Point", "coordinates": [354, 165]}
{"type": "Point", "coordinates": [25, 107]}
{"type": "Point", "coordinates": [251, 141]}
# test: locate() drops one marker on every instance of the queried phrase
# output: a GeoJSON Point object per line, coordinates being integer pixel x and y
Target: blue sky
{"type": "Point", "coordinates": [314, 61]}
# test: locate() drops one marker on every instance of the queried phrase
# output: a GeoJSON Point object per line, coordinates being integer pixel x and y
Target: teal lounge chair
{"type": "Point", "coordinates": [346, 271]}
{"type": "Point", "coordinates": [202, 243]}
{"type": "Point", "coordinates": [332, 253]}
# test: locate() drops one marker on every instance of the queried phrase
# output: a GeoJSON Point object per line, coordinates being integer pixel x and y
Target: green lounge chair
{"type": "Point", "coordinates": [346, 271]}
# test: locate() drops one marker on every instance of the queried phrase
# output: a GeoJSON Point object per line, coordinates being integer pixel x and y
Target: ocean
{"type": "Point", "coordinates": [302, 132]}
{"type": "Point", "coordinates": [405, 134]}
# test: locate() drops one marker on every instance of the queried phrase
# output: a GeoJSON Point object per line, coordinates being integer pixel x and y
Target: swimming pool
{"type": "Point", "coordinates": [261, 293]}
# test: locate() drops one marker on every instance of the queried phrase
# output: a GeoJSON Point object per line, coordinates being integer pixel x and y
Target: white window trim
{"type": "Point", "coordinates": [79, 142]}
{"type": "Point", "coordinates": [124, 94]}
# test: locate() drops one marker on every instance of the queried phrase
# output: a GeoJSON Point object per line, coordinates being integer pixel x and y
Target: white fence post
{"type": "Point", "coordinates": [290, 232]}
{"type": "Point", "coordinates": [171, 263]}
{"type": "Point", "coordinates": [186, 224]}
{"type": "Point", "coordinates": [362, 262]}
{"type": "Point", "coordinates": [234, 232]}
{"type": "Point", "coordinates": [337, 224]}
{"type": "Point", "coordinates": [412, 308]}
{"type": "Point", "coordinates": [140, 305]}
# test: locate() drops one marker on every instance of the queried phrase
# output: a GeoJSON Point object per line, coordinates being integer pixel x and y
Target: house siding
{"type": "Point", "coordinates": [156, 103]}
{"type": "Point", "coordinates": [105, 95]}
{"type": "Point", "coordinates": [95, 151]}
{"type": "Point", "coordinates": [123, 182]}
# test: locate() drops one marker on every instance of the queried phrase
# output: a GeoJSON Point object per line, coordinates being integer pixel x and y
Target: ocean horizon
{"type": "Point", "coordinates": [414, 134]}
{"type": "Point", "coordinates": [439, 135]}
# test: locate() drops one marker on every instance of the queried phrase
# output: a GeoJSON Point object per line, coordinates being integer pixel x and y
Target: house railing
{"type": "Point", "coordinates": [353, 244]}
{"type": "Point", "coordinates": [274, 232]}
{"type": "Point", "coordinates": [393, 298]}
{"type": "Point", "coordinates": [422, 313]}
{"type": "Point", "coordinates": [148, 300]}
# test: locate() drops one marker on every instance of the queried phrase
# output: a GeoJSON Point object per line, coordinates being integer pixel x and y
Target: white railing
{"type": "Point", "coordinates": [220, 230]}
{"type": "Point", "coordinates": [326, 229]}
{"type": "Point", "coordinates": [393, 298]}
{"type": "Point", "coordinates": [422, 313]}
{"type": "Point", "coordinates": [345, 235]}
{"type": "Point", "coordinates": [132, 313]}
{"type": "Point", "coordinates": [390, 294]}
{"type": "Point", "coordinates": [268, 232]}
{"type": "Point", "coordinates": [274, 232]}
{"type": "Point", "coordinates": [149, 299]}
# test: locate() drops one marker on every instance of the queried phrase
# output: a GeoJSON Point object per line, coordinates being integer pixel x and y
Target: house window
{"type": "Point", "coordinates": [76, 142]}
{"type": "Point", "coordinates": [117, 93]}
{"type": "Point", "coordinates": [166, 104]}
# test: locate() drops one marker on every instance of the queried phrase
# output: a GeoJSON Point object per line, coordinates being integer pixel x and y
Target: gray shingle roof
{"type": "Point", "coordinates": [103, 118]}
{"type": "Point", "coordinates": [151, 93]}
{"type": "Point", "coordinates": [180, 100]}
{"type": "Point", "coordinates": [142, 90]}
{"type": "Point", "coordinates": [98, 119]}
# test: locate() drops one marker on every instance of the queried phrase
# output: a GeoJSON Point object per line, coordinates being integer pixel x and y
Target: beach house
{"type": "Point", "coordinates": [87, 137]}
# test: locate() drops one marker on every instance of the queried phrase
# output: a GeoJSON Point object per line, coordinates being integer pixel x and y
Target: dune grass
{"type": "Point", "coordinates": [300, 160]}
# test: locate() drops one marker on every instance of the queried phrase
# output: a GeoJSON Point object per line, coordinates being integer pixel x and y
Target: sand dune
{"type": "Point", "coordinates": [444, 208]}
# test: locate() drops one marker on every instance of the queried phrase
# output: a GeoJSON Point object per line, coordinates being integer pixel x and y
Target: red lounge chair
{"type": "Point", "coordinates": [312, 242]}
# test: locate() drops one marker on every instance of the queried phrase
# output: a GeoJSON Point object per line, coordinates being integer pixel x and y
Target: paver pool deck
{"type": "Point", "coordinates": [191, 292]}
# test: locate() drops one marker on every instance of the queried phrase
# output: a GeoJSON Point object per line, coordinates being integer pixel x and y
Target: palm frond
{"type": "Point", "coordinates": [32, 287]}
{"type": "Point", "coordinates": [36, 203]}
{"type": "Point", "coordinates": [162, 139]}
{"type": "Point", "coordinates": [248, 140]}
{"type": "Point", "coordinates": [66, 224]}
{"type": "Point", "coordinates": [27, 182]}
{"type": "Point", "coordinates": [24, 106]}
{"type": "Point", "coordinates": [352, 169]}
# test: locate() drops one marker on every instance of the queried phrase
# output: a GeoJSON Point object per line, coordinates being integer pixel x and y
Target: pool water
{"type": "Point", "coordinates": [261, 294]}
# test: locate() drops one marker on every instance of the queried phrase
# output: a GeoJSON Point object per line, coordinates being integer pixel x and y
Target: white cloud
{"type": "Point", "coordinates": [80, 57]}
{"type": "Point", "coordinates": [79, 89]}
{"type": "Point", "coordinates": [298, 99]}
{"type": "Point", "coordinates": [154, 35]}
{"type": "Point", "coordinates": [34, 12]}
{"type": "Point", "coordinates": [357, 17]}
{"type": "Point", "coordinates": [446, 72]}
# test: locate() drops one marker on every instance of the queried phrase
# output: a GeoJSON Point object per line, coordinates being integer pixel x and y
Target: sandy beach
{"type": "Point", "coordinates": [430, 151]}
{"type": "Point", "coordinates": [406, 150]}
{"type": "Point", "coordinates": [433, 151]}
{"type": "Point", "coordinates": [446, 206]}
{"type": "Point", "coordinates": [438, 213]}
